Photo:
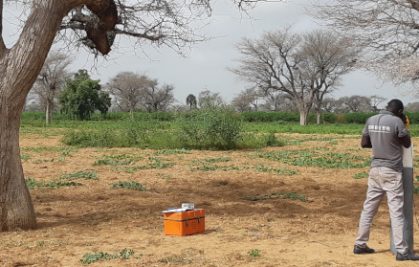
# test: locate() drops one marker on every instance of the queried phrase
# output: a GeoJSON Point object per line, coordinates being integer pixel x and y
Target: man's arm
{"type": "Point", "coordinates": [366, 141]}
{"type": "Point", "coordinates": [405, 141]}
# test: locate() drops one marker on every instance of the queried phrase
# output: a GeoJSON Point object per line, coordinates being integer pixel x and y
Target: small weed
{"type": "Point", "coordinates": [280, 195]}
{"type": "Point", "coordinates": [131, 185]}
{"type": "Point", "coordinates": [360, 175]}
{"type": "Point", "coordinates": [87, 175]}
{"type": "Point", "coordinates": [254, 253]}
{"type": "Point", "coordinates": [125, 254]}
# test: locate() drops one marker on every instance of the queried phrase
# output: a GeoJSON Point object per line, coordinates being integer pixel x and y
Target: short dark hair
{"type": "Point", "coordinates": [395, 105]}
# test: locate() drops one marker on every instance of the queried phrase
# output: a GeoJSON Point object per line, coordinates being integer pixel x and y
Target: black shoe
{"type": "Point", "coordinates": [363, 249]}
{"type": "Point", "coordinates": [407, 257]}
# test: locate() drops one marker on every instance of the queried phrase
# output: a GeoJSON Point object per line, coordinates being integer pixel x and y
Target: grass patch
{"type": "Point", "coordinates": [277, 195]}
{"type": "Point", "coordinates": [130, 185]}
{"type": "Point", "coordinates": [360, 175]}
{"type": "Point", "coordinates": [317, 158]}
{"type": "Point", "coordinates": [86, 175]}
{"type": "Point", "coordinates": [34, 184]}
{"type": "Point", "coordinates": [211, 167]}
{"type": "Point", "coordinates": [154, 163]}
{"type": "Point", "coordinates": [115, 160]}
{"type": "Point", "coordinates": [172, 151]}
{"type": "Point", "coordinates": [288, 172]}
{"type": "Point", "coordinates": [25, 157]}
{"type": "Point", "coordinates": [216, 160]}
{"type": "Point", "coordinates": [90, 258]}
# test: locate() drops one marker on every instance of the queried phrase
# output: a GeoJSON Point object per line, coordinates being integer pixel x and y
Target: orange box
{"type": "Point", "coordinates": [188, 222]}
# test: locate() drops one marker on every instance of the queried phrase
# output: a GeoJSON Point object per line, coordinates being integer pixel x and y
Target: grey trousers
{"type": "Point", "coordinates": [383, 180]}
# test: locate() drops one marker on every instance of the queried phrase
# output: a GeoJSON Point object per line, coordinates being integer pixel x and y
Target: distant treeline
{"type": "Point", "coordinates": [254, 116]}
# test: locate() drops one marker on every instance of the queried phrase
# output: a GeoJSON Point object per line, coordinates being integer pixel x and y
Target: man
{"type": "Point", "coordinates": [385, 133]}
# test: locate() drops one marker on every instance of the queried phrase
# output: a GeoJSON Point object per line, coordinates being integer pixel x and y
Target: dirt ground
{"type": "Point", "coordinates": [94, 217]}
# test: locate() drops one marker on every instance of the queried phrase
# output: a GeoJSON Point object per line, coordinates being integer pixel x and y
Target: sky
{"type": "Point", "coordinates": [205, 66]}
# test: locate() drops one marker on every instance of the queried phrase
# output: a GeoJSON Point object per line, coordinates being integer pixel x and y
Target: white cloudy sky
{"type": "Point", "coordinates": [205, 65]}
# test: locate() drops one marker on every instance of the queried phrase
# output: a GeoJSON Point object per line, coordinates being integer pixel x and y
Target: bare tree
{"type": "Point", "coordinates": [50, 81]}
{"type": "Point", "coordinates": [155, 98]}
{"type": "Point", "coordinates": [246, 100]}
{"type": "Point", "coordinates": [326, 58]}
{"type": "Point", "coordinates": [191, 101]}
{"type": "Point", "coordinates": [329, 104]}
{"type": "Point", "coordinates": [412, 107]}
{"type": "Point", "coordinates": [94, 23]}
{"type": "Point", "coordinates": [387, 29]}
{"type": "Point", "coordinates": [128, 88]}
{"type": "Point", "coordinates": [375, 101]}
{"type": "Point", "coordinates": [208, 99]}
{"type": "Point", "coordinates": [278, 101]}
{"type": "Point", "coordinates": [301, 66]}
{"type": "Point", "coordinates": [353, 103]}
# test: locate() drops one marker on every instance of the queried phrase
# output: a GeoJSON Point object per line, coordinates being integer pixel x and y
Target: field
{"type": "Point", "coordinates": [297, 204]}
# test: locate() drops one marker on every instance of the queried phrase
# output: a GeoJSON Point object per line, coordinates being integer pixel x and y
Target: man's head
{"type": "Point", "coordinates": [395, 106]}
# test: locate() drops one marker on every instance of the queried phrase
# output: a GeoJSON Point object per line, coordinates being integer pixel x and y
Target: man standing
{"type": "Point", "coordinates": [385, 133]}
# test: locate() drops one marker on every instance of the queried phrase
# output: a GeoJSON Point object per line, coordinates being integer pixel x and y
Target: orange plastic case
{"type": "Point", "coordinates": [184, 223]}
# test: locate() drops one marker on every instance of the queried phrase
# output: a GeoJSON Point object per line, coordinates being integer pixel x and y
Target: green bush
{"type": "Point", "coordinates": [210, 129]}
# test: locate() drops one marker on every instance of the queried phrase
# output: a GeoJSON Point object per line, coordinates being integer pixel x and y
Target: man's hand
{"type": "Point", "coordinates": [366, 141]}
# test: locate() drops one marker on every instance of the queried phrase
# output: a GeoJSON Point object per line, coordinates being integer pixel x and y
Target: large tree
{"type": "Point", "coordinates": [128, 89]}
{"type": "Point", "coordinates": [386, 29]}
{"type": "Point", "coordinates": [209, 100]}
{"type": "Point", "coordinates": [94, 23]}
{"type": "Point", "coordinates": [157, 98]}
{"type": "Point", "coordinates": [304, 67]}
{"type": "Point", "coordinates": [50, 81]}
{"type": "Point", "coordinates": [82, 96]}
{"type": "Point", "coordinates": [246, 100]}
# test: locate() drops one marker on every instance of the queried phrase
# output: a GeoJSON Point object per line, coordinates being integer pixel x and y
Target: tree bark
{"type": "Point", "coordinates": [303, 117]}
{"type": "Point", "coordinates": [48, 112]}
{"type": "Point", "coordinates": [19, 68]}
{"type": "Point", "coordinates": [318, 116]}
{"type": "Point", "coordinates": [15, 202]}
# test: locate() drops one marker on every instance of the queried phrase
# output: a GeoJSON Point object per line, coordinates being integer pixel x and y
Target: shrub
{"type": "Point", "coordinates": [213, 129]}
{"type": "Point", "coordinates": [131, 185]}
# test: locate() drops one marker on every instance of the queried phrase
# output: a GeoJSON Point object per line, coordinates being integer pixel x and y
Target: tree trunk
{"type": "Point", "coordinates": [16, 207]}
{"type": "Point", "coordinates": [19, 67]}
{"type": "Point", "coordinates": [48, 112]}
{"type": "Point", "coordinates": [303, 117]}
{"type": "Point", "coordinates": [318, 116]}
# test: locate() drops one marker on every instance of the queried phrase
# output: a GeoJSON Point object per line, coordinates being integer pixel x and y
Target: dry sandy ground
{"type": "Point", "coordinates": [94, 217]}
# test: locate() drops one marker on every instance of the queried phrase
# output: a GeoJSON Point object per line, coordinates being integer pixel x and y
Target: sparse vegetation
{"type": "Point", "coordinates": [93, 257]}
{"type": "Point", "coordinates": [276, 195]}
{"type": "Point", "coordinates": [254, 253]}
{"type": "Point", "coordinates": [262, 168]}
{"type": "Point", "coordinates": [131, 185]}
{"type": "Point", "coordinates": [317, 158]}
{"type": "Point", "coordinates": [34, 184]}
{"type": "Point", "coordinates": [86, 175]}
{"type": "Point", "coordinates": [360, 175]}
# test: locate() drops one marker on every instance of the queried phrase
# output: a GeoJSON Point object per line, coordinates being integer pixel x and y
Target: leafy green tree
{"type": "Point", "coordinates": [82, 96]}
